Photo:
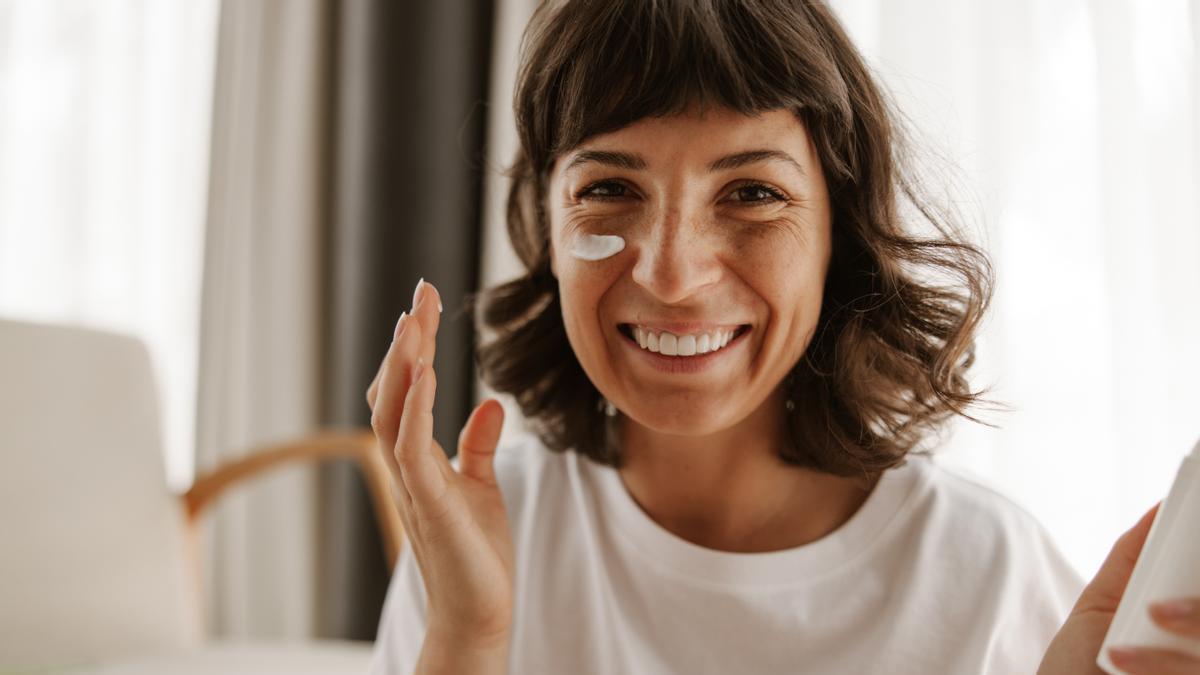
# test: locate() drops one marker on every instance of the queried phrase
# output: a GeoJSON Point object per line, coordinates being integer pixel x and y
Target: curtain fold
{"type": "Point", "coordinates": [259, 374]}
{"type": "Point", "coordinates": [409, 115]}
{"type": "Point", "coordinates": [346, 164]}
{"type": "Point", "coordinates": [103, 179]}
{"type": "Point", "coordinates": [498, 262]}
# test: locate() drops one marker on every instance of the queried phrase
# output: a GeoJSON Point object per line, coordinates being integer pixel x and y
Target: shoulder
{"type": "Point", "coordinates": [528, 474]}
{"type": "Point", "coordinates": [977, 532]}
{"type": "Point", "coordinates": [522, 462]}
{"type": "Point", "coordinates": [966, 506]}
{"type": "Point", "coordinates": [1018, 584]}
{"type": "Point", "coordinates": [526, 465]}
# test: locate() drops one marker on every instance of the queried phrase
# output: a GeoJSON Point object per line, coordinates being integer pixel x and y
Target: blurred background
{"type": "Point", "coordinates": [253, 188]}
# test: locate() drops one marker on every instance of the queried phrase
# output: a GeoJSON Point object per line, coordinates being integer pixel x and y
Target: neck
{"type": "Point", "coordinates": [730, 490]}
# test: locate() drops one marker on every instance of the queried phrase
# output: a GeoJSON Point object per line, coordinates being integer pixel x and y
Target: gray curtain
{"type": "Point", "coordinates": [407, 119]}
{"type": "Point", "coordinates": [259, 379]}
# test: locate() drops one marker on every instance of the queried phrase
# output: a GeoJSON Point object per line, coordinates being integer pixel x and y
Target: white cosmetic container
{"type": "Point", "coordinates": [1167, 569]}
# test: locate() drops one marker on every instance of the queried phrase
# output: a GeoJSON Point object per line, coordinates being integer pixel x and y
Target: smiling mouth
{"type": "Point", "coordinates": [666, 343]}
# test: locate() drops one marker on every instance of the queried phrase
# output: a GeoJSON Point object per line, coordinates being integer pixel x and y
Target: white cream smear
{"type": "Point", "coordinates": [596, 246]}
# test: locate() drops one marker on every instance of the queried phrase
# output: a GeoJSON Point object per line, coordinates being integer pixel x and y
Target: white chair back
{"type": "Point", "coordinates": [94, 565]}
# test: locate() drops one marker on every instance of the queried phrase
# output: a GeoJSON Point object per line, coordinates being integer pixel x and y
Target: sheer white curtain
{"type": "Point", "coordinates": [1072, 134]}
{"type": "Point", "coordinates": [1075, 129]}
{"type": "Point", "coordinates": [104, 131]}
{"type": "Point", "coordinates": [106, 108]}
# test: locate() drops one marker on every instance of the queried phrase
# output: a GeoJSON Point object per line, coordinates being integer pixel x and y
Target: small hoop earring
{"type": "Point", "coordinates": [789, 386]}
{"type": "Point", "coordinates": [605, 406]}
{"type": "Point", "coordinates": [610, 429]}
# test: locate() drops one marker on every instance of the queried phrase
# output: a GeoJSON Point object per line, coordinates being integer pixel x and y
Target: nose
{"type": "Point", "coordinates": [676, 260]}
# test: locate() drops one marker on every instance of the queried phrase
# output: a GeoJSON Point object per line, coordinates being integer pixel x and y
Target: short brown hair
{"type": "Point", "coordinates": [895, 338]}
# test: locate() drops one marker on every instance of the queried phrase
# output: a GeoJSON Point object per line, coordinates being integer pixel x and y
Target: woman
{"type": "Point", "coordinates": [731, 346]}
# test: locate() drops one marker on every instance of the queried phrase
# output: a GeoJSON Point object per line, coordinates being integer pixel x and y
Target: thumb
{"type": "Point", "coordinates": [1105, 590]}
{"type": "Point", "coordinates": [477, 442]}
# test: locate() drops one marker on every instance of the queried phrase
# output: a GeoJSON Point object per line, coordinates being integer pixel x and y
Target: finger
{"type": "Point", "coordinates": [383, 426]}
{"type": "Point", "coordinates": [393, 387]}
{"type": "Point", "coordinates": [373, 388]}
{"type": "Point", "coordinates": [427, 308]}
{"type": "Point", "coordinates": [1153, 661]}
{"type": "Point", "coordinates": [1104, 591]}
{"type": "Point", "coordinates": [423, 477]}
{"type": "Point", "coordinates": [477, 442]}
{"type": "Point", "coordinates": [1180, 616]}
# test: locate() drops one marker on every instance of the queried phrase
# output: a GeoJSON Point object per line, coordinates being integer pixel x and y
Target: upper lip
{"type": "Point", "coordinates": [685, 327]}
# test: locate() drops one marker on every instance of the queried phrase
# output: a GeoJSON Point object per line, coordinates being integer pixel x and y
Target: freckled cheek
{"type": "Point", "coordinates": [788, 277]}
{"type": "Point", "coordinates": [583, 286]}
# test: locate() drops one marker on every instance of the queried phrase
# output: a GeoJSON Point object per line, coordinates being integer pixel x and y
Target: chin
{"type": "Point", "coordinates": [685, 419]}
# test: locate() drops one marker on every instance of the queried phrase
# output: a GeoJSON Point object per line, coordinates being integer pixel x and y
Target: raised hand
{"type": "Point", "coordinates": [454, 521]}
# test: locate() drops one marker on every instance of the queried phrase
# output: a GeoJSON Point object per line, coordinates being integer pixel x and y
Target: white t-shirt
{"type": "Point", "coordinates": [935, 574]}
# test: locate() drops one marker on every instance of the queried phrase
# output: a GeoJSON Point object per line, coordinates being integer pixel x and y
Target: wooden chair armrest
{"type": "Point", "coordinates": [358, 445]}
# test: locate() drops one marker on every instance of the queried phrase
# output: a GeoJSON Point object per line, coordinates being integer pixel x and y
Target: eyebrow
{"type": "Point", "coordinates": [632, 162]}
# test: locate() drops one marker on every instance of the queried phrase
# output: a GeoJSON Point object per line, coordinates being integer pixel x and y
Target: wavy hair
{"type": "Point", "coordinates": [888, 361]}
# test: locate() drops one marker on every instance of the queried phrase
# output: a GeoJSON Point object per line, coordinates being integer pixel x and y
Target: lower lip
{"type": "Point", "coordinates": [682, 365]}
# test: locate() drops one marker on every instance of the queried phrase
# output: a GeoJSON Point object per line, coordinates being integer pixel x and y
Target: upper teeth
{"type": "Point", "coordinates": [670, 344]}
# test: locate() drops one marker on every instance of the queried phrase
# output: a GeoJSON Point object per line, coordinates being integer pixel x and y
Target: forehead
{"type": "Point", "coordinates": [694, 136]}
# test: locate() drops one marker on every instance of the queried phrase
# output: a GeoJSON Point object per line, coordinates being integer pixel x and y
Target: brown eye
{"type": "Point", "coordinates": [757, 194]}
{"type": "Point", "coordinates": [605, 189]}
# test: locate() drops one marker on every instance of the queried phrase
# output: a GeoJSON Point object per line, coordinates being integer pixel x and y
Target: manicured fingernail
{"type": "Point", "coordinates": [1174, 609]}
{"type": "Point", "coordinates": [400, 326]}
{"type": "Point", "coordinates": [1123, 655]}
{"type": "Point", "coordinates": [418, 292]}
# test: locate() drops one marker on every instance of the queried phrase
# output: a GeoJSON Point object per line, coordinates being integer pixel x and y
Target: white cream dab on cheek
{"type": "Point", "coordinates": [596, 246]}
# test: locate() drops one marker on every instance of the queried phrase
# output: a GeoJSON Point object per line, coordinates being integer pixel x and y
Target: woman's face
{"type": "Point", "coordinates": [726, 229]}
